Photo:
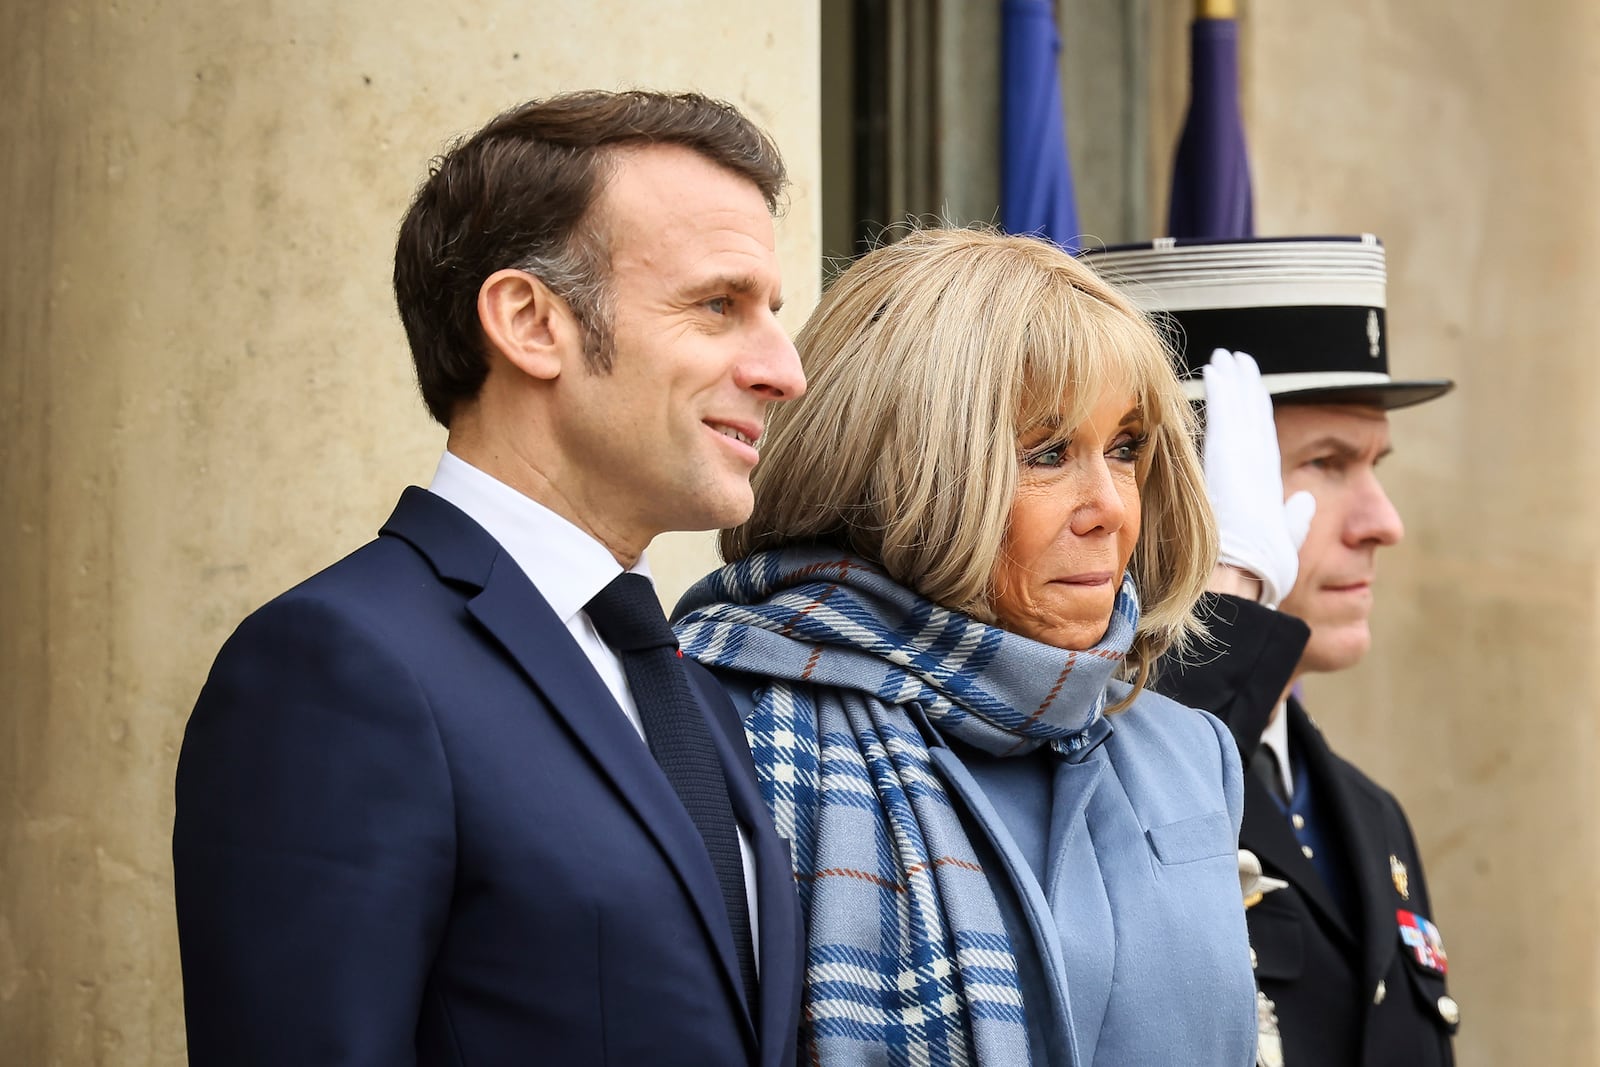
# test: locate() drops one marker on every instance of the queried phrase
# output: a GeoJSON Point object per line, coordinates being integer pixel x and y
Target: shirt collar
{"type": "Point", "coordinates": [1276, 738]}
{"type": "Point", "coordinates": [563, 562]}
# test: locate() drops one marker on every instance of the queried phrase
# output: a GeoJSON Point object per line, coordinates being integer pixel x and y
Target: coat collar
{"type": "Point", "coordinates": [510, 609]}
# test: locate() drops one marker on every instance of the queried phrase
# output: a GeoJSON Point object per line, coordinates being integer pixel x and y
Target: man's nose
{"type": "Point", "coordinates": [1374, 519]}
{"type": "Point", "coordinates": [771, 366]}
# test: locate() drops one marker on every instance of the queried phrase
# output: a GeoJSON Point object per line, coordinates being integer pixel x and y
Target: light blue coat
{"type": "Point", "coordinates": [1117, 871]}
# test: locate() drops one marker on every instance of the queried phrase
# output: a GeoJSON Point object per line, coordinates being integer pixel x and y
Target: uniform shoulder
{"type": "Point", "coordinates": [1354, 777]}
{"type": "Point", "coordinates": [1378, 814]}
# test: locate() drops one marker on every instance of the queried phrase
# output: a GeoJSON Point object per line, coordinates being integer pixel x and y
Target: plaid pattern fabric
{"type": "Point", "coordinates": [907, 960]}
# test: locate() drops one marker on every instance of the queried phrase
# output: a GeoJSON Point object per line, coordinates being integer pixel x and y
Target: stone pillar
{"type": "Point", "coordinates": [1466, 133]}
{"type": "Point", "coordinates": [205, 393]}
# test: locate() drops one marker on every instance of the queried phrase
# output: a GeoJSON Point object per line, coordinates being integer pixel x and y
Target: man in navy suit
{"type": "Point", "coordinates": [418, 821]}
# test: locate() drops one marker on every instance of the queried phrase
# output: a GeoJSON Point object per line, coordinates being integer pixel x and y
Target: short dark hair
{"type": "Point", "coordinates": [518, 193]}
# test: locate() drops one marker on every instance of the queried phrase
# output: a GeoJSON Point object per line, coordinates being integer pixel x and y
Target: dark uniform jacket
{"type": "Point", "coordinates": [1354, 968]}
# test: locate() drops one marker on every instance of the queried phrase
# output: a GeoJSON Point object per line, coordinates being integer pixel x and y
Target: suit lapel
{"type": "Point", "coordinates": [1373, 884]}
{"type": "Point", "coordinates": [1073, 783]}
{"type": "Point", "coordinates": [511, 610]}
{"type": "Point", "coordinates": [1359, 821]}
{"type": "Point", "coordinates": [778, 903]}
{"type": "Point", "coordinates": [1266, 832]}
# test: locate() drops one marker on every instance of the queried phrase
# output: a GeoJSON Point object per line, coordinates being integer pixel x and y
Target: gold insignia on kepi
{"type": "Point", "coordinates": [1402, 881]}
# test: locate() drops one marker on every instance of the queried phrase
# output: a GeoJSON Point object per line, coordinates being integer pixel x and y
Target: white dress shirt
{"type": "Point", "coordinates": [569, 568]}
{"type": "Point", "coordinates": [1276, 738]}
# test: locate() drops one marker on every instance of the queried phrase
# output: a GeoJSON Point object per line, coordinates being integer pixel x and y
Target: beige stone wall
{"type": "Point", "coordinates": [205, 394]}
{"type": "Point", "coordinates": [1466, 133]}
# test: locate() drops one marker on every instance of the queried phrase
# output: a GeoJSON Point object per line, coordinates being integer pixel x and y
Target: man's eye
{"type": "Point", "coordinates": [718, 305]}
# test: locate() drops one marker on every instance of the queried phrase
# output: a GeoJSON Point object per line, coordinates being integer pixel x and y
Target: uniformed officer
{"type": "Point", "coordinates": [1347, 952]}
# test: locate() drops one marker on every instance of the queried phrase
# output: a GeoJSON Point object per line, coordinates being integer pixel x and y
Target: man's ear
{"type": "Point", "coordinates": [528, 324]}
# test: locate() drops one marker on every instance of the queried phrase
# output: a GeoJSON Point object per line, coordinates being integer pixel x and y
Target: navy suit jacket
{"type": "Point", "coordinates": [414, 827]}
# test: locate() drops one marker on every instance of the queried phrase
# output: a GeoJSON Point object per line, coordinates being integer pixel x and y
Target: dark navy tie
{"type": "Point", "coordinates": [1264, 765]}
{"type": "Point", "coordinates": [629, 619]}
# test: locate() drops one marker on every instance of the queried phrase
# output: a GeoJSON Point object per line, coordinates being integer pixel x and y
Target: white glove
{"type": "Point", "coordinates": [1260, 531]}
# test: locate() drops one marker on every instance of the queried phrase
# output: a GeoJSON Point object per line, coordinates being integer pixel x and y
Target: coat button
{"type": "Point", "coordinates": [1449, 1010]}
{"type": "Point", "coordinates": [1299, 821]}
{"type": "Point", "coordinates": [1381, 992]}
{"type": "Point", "coordinates": [1306, 850]}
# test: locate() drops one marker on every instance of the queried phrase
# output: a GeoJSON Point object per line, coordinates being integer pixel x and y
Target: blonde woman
{"type": "Point", "coordinates": [970, 542]}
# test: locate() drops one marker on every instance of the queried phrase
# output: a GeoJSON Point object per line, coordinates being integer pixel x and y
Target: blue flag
{"type": "Point", "coordinates": [1035, 177]}
{"type": "Point", "coordinates": [1211, 175]}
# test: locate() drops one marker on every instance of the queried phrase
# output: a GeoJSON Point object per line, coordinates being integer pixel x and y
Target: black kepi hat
{"type": "Point", "coordinates": [1311, 310]}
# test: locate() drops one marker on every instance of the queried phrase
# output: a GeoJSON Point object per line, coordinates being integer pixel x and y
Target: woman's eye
{"type": "Point", "coordinates": [1049, 456]}
{"type": "Point", "coordinates": [1129, 449]}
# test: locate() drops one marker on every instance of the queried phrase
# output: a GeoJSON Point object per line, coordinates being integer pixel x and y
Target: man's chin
{"type": "Point", "coordinates": [727, 507]}
{"type": "Point", "coordinates": [1336, 648]}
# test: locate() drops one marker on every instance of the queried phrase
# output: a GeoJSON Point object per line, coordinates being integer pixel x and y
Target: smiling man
{"type": "Point", "coordinates": [1347, 952]}
{"type": "Point", "coordinates": [457, 799]}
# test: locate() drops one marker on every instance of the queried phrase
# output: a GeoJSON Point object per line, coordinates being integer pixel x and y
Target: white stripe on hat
{"type": "Point", "coordinates": [1232, 291]}
{"type": "Point", "coordinates": [1195, 389]}
{"type": "Point", "coordinates": [1248, 274]}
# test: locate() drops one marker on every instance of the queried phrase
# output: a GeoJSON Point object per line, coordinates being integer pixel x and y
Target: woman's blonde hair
{"type": "Point", "coordinates": [927, 362]}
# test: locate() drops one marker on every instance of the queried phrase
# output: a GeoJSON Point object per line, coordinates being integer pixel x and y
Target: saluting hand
{"type": "Point", "coordinates": [1261, 533]}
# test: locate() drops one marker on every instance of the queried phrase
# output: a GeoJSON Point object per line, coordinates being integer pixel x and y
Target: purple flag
{"type": "Point", "coordinates": [1211, 175]}
{"type": "Point", "coordinates": [1036, 179]}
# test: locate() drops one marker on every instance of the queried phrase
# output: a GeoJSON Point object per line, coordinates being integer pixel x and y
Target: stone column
{"type": "Point", "coordinates": [1466, 133]}
{"type": "Point", "coordinates": [205, 394]}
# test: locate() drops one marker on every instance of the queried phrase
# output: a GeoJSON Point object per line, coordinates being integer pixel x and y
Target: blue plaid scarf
{"type": "Point", "coordinates": [907, 960]}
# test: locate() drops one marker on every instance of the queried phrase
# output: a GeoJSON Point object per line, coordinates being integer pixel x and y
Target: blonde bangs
{"type": "Point", "coordinates": [1087, 344]}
